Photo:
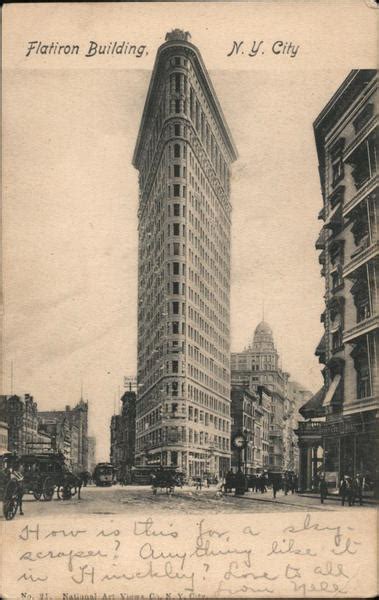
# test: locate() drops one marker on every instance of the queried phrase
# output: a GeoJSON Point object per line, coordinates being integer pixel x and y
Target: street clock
{"type": "Point", "coordinates": [239, 441]}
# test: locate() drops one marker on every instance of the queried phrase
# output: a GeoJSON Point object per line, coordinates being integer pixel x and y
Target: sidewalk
{"type": "Point", "coordinates": [337, 498]}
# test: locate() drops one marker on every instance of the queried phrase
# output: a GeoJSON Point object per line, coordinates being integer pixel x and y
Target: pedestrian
{"type": "Point", "coordinates": [286, 484]}
{"type": "Point", "coordinates": [345, 490]}
{"type": "Point", "coordinates": [358, 487]}
{"type": "Point", "coordinates": [294, 484]}
{"type": "Point", "coordinates": [208, 482]}
{"type": "Point", "coordinates": [275, 487]}
{"type": "Point", "coordinates": [229, 481]}
{"type": "Point", "coordinates": [323, 490]}
{"type": "Point", "coordinates": [17, 475]}
{"type": "Point", "coordinates": [258, 482]}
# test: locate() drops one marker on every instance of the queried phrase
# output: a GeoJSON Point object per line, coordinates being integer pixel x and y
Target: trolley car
{"type": "Point", "coordinates": [103, 474]}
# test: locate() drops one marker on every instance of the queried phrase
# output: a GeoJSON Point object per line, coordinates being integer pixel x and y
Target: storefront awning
{"type": "Point", "coordinates": [332, 389]}
{"type": "Point", "coordinates": [314, 407]}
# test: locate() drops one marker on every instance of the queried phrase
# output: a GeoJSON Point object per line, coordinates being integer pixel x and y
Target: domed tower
{"type": "Point", "coordinates": [263, 347]}
{"type": "Point", "coordinates": [263, 338]}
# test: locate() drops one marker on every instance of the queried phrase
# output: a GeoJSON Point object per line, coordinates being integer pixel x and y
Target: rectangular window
{"type": "Point", "coordinates": [175, 308]}
{"type": "Point", "coordinates": [176, 268]}
{"type": "Point", "coordinates": [176, 210]}
{"type": "Point", "coordinates": [176, 248]}
{"type": "Point", "coordinates": [175, 366]}
{"type": "Point", "coordinates": [177, 129]}
{"type": "Point", "coordinates": [175, 287]}
{"type": "Point", "coordinates": [176, 189]}
{"type": "Point", "coordinates": [175, 327]}
{"type": "Point", "coordinates": [176, 228]}
{"type": "Point", "coordinates": [177, 106]}
{"type": "Point", "coordinates": [176, 170]}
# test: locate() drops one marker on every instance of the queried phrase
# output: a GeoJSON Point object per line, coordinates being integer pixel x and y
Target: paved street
{"type": "Point", "coordinates": [134, 499]}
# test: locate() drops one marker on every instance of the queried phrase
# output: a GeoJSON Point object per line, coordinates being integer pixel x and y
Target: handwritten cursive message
{"type": "Point", "coordinates": [293, 555]}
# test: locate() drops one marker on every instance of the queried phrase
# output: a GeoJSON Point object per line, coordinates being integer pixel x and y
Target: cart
{"type": "Point", "coordinates": [165, 479]}
{"type": "Point", "coordinates": [45, 473]}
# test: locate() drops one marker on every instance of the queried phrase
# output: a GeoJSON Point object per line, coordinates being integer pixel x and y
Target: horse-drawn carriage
{"type": "Point", "coordinates": [45, 473]}
{"type": "Point", "coordinates": [10, 490]}
{"type": "Point", "coordinates": [166, 478]}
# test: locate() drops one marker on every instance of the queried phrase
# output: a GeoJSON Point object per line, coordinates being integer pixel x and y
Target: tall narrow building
{"type": "Point", "coordinates": [183, 154]}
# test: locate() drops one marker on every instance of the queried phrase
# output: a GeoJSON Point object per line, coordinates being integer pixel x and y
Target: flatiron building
{"type": "Point", "coordinates": [183, 155]}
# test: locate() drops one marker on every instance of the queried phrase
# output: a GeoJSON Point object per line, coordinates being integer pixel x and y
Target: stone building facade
{"type": "Point", "coordinates": [256, 366]}
{"type": "Point", "coordinates": [340, 436]}
{"type": "Point", "coordinates": [3, 437]}
{"type": "Point", "coordinates": [123, 437]}
{"type": "Point", "coordinates": [183, 154]}
{"type": "Point", "coordinates": [247, 419]}
{"type": "Point", "coordinates": [76, 420]}
{"type": "Point", "coordinates": [20, 413]}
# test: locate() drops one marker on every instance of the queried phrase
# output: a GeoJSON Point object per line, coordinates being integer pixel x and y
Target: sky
{"type": "Point", "coordinates": [70, 216]}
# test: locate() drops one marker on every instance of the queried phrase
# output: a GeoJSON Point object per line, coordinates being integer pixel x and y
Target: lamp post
{"type": "Point", "coordinates": [239, 443]}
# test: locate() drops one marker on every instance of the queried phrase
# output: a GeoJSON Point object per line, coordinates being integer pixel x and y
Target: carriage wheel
{"type": "Point", "coordinates": [48, 489]}
{"type": "Point", "coordinates": [37, 491]}
{"type": "Point", "coordinates": [10, 502]}
{"type": "Point", "coordinates": [66, 492]}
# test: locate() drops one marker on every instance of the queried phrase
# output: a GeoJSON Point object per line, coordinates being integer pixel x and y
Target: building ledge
{"type": "Point", "coordinates": [361, 135]}
{"type": "Point", "coordinates": [361, 328]}
{"type": "Point", "coordinates": [361, 258]}
{"type": "Point", "coordinates": [361, 405]}
{"type": "Point", "coordinates": [361, 194]}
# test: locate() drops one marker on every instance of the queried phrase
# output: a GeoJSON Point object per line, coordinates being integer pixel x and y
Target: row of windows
{"type": "Point", "coordinates": [206, 380]}
{"type": "Point", "coordinates": [179, 435]}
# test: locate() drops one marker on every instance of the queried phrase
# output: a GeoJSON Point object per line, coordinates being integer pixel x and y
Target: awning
{"type": "Point", "coordinates": [314, 406]}
{"type": "Point", "coordinates": [332, 390]}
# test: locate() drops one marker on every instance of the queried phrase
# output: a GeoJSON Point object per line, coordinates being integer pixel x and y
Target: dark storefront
{"type": "Point", "coordinates": [345, 446]}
